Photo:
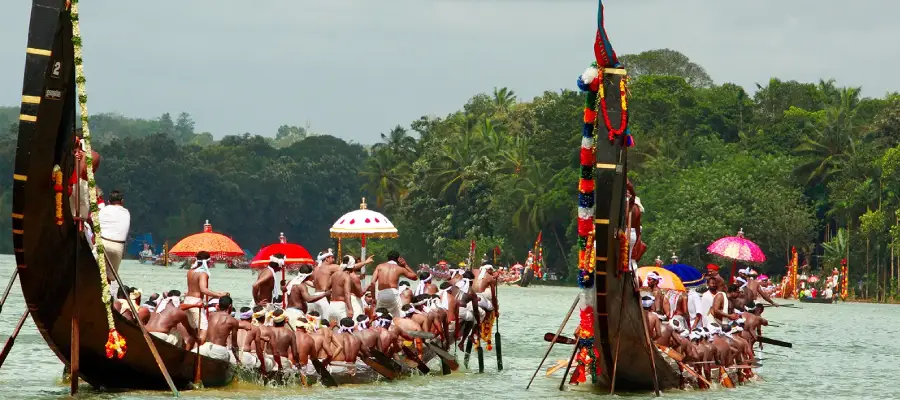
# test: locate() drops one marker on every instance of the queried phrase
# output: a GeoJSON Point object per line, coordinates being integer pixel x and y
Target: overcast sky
{"type": "Point", "coordinates": [355, 68]}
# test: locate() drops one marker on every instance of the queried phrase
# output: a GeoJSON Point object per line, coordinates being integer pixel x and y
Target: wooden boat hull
{"type": "Point", "coordinates": [819, 300]}
{"type": "Point", "coordinates": [58, 274]}
{"type": "Point", "coordinates": [619, 322]}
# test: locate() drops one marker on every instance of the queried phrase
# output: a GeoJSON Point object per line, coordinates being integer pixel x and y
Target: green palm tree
{"type": "Point", "coordinates": [385, 177]}
{"type": "Point", "coordinates": [834, 140]}
{"type": "Point", "coordinates": [398, 142]}
{"type": "Point", "coordinates": [504, 99]}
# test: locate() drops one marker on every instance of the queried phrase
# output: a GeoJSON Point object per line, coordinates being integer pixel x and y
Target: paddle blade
{"type": "Point", "coordinates": [446, 357]}
{"type": "Point", "coordinates": [324, 376]}
{"type": "Point", "coordinates": [498, 345]}
{"type": "Point", "coordinates": [548, 337]}
{"type": "Point", "coordinates": [383, 359]}
{"type": "Point", "coordinates": [421, 334]}
{"type": "Point", "coordinates": [382, 370]}
{"type": "Point", "coordinates": [410, 354]}
{"type": "Point", "coordinates": [775, 342]}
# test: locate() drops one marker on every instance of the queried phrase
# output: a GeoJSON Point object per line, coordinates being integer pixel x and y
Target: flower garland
{"type": "Point", "coordinates": [844, 280]}
{"type": "Point", "coordinates": [589, 82]}
{"type": "Point", "coordinates": [623, 124]}
{"type": "Point", "coordinates": [587, 354]}
{"type": "Point", "coordinates": [487, 327]}
{"type": "Point", "coordinates": [58, 188]}
{"type": "Point", "coordinates": [115, 344]}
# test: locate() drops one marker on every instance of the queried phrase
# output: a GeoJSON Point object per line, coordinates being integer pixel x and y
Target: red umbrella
{"type": "Point", "coordinates": [218, 245]}
{"type": "Point", "coordinates": [737, 248]}
{"type": "Point", "coordinates": [294, 256]}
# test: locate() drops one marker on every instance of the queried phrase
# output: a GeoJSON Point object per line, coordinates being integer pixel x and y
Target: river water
{"type": "Point", "coordinates": [841, 351]}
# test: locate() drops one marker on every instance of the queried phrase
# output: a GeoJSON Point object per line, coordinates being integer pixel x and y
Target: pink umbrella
{"type": "Point", "coordinates": [813, 279]}
{"type": "Point", "coordinates": [737, 248]}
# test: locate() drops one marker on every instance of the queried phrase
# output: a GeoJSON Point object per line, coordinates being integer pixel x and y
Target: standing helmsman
{"type": "Point", "coordinates": [115, 221]}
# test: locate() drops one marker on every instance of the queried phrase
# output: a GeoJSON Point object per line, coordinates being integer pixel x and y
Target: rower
{"type": "Point", "coordinates": [115, 220]}
{"type": "Point", "coordinates": [719, 310]}
{"type": "Point", "coordinates": [222, 326]}
{"type": "Point", "coordinates": [250, 338]}
{"type": "Point", "coordinates": [164, 324]}
{"type": "Point", "coordinates": [283, 339]}
{"type": "Point", "coordinates": [425, 286]}
{"type": "Point", "coordinates": [754, 289]}
{"type": "Point", "coordinates": [357, 296]}
{"type": "Point", "coordinates": [351, 344]}
{"type": "Point", "coordinates": [321, 278]}
{"type": "Point", "coordinates": [660, 306]}
{"type": "Point", "coordinates": [653, 323]}
{"type": "Point", "coordinates": [198, 286]}
{"type": "Point", "coordinates": [265, 291]}
{"type": "Point", "coordinates": [386, 282]}
{"type": "Point", "coordinates": [306, 348]}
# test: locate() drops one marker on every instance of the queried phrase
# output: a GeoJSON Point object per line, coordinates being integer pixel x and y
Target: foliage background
{"type": "Point", "coordinates": [790, 162]}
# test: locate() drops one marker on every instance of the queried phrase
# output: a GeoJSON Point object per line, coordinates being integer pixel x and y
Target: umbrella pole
{"type": "Point", "coordinates": [283, 298]}
{"type": "Point", "coordinates": [362, 255]}
{"type": "Point", "coordinates": [733, 270]}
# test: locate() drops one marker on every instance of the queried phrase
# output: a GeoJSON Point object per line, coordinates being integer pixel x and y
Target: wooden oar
{"type": "Point", "coordinates": [554, 368]}
{"type": "Point", "coordinates": [725, 379]}
{"type": "Point", "coordinates": [477, 311]}
{"type": "Point", "coordinates": [572, 358]}
{"type": "Point", "coordinates": [410, 354]}
{"type": "Point", "coordinates": [497, 340]}
{"type": "Point", "coordinates": [553, 341]}
{"type": "Point", "coordinates": [385, 360]}
{"type": "Point", "coordinates": [324, 376]}
{"type": "Point", "coordinates": [12, 338]}
{"type": "Point", "coordinates": [679, 358]}
{"type": "Point", "coordinates": [421, 335]}
{"type": "Point", "coordinates": [550, 337]}
{"type": "Point", "coordinates": [775, 342]}
{"type": "Point", "coordinates": [444, 355]}
{"type": "Point", "coordinates": [12, 280]}
{"type": "Point", "coordinates": [382, 370]}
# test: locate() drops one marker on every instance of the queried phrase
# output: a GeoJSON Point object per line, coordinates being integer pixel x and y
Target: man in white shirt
{"type": "Point", "coordinates": [115, 220]}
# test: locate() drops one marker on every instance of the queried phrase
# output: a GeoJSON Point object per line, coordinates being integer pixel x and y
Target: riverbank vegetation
{"type": "Point", "coordinates": [802, 164]}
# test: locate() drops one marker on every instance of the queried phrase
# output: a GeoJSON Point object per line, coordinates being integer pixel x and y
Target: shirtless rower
{"type": "Point", "coordinates": [168, 316]}
{"type": "Point", "coordinates": [222, 326]}
{"type": "Point", "coordinates": [265, 291]}
{"type": "Point", "coordinates": [283, 339]}
{"type": "Point", "coordinates": [386, 279]}
{"type": "Point", "coordinates": [351, 344]}
{"type": "Point", "coordinates": [298, 296]}
{"type": "Point", "coordinates": [328, 346]}
{"type": "Point", "coordinates": [367, 336]}
{"type": "Point", "coordinates": [653, 323]}
{"type": "Point", "coordinates": [660, 306]}
{"type": "Point", "coordinates": [388, 339]}
{"type": "Point", "coordinates": [322, 282]}
{"type": "Point", "coordinates": [267, 335]}
{"type": "Point", "coordinates": [425, 286]}
{"type": "Point", "coordinates": [681, 312]}
{"type": "Point", "coordinates": [306, 347]}
{"type": "Point", "coordinates": [249, 339]}
{"type": "Point", "coordinates": [718, 312]}
{"type": "Point", "coordinates": [198, 286]}
{"type": "Point", "coordinates": [406, 294]}
{"type": "Point", "coordinates": [753, 322]}
{"type": "Point", "coordinates": [485, 284]}
{"type": "Point", "coordinates": [341, 292]}
{"type": "Point", "coordinates": [753, 290]}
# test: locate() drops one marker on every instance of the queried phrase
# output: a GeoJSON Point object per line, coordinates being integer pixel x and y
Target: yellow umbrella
{"type": "Point", "coordinates": [669, 279]}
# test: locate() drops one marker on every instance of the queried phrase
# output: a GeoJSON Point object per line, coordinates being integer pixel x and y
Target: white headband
{"type": "Point", "coordinates": [350, 262]}
{"type": "Point", "coordinates": [653, 275]}
{"type": "Point", "coordinates": [279, 261]}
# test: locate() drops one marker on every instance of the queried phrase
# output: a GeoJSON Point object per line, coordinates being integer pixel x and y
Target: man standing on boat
{"type": "Point", "coordinates": [386, 282]}
{"type": "Point", "coordinates": [198, 286]}
{"type": "Point", "coordinates": [265, 290]}
{"type": "Point", "coordinates": [322, 282]}
{"type": "Point", "coordinates": [115, 221]}
{"type": "Point", "coordinates": [719, 311]}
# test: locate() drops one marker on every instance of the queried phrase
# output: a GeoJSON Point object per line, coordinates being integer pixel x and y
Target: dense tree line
{"type": "Point", "coordinates": [811, 165]}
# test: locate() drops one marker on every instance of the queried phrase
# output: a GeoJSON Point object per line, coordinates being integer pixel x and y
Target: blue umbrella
{"type": "Point", "coordinates": [248, 254]}
{"type": "Point", "coordinates": [689, 275]}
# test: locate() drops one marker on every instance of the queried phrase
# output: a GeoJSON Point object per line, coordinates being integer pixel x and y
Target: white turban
{"type": "Point", "coordinates": [277, 260]}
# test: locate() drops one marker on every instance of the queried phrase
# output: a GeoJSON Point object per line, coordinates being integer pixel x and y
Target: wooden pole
{"type": "Point", "coordinates": [12, 338]}
{"type": "Point", "coordinates": [555, 337]}
{"type": "Point", "coordinates": [12, 280]}
{"type": "Point", "coordinates": [569, 366]}
{"type": "Point", "coordinates": [650, 353]}
{"type": "Point", "coordinates": [477, 333]}
{"type": "Point", "coordinates": [75, 342]}
{"type": "Point", "coordinates": [497, 339]}
{"type": "Point", "coordinates": [150, 344]}
{"type": "Point", "coordinates": [612, 382]}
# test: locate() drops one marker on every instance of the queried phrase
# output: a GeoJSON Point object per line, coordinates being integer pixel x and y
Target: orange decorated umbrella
{"type": "Point", "coordinates": [363, 224]}
{"type": "Point", "coordinates": [668, 278]}
{"type": "Point", "coordinates": [217, 244]}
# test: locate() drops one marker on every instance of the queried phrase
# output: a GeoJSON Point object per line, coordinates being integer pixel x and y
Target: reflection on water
{"type": "Point", "coordinates": [840, 351]}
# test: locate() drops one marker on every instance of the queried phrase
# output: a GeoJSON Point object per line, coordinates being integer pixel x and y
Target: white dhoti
{"type": "Point", "coordinates": [322, 305]}
{"type": "Point", "coordinates": [250, 360]}
{"type": "Point", "coordinates": [358, 308]}
{"type": "Point", "coordinates": [294, 315]}
{"type": "Point", "coordinates": [114, 251]}
{"type": "Point", "coordinates": [218, 352]}
{"type": "Point", "coordinates": [632, 239]}
{"type": "Point", "coordinates": [466, 314]}
{"type": "Point", "coordinates": [486, 299]}
{"type": "Point", "coordinates": [169, 338]}
{"type": "Point", "coordinates": [337, 311]}
{"type": "Point", "coordinates": [196, 316]}
{"type": "Point", "coordinates": [389, 299]}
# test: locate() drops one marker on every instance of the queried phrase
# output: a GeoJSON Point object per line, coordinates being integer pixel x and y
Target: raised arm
{"type": "Point", "coordinates": [408, 271]}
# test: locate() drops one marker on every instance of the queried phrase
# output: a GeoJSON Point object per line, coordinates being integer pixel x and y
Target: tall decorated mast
{"type": "Point", "coordinates": [613, 346]}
